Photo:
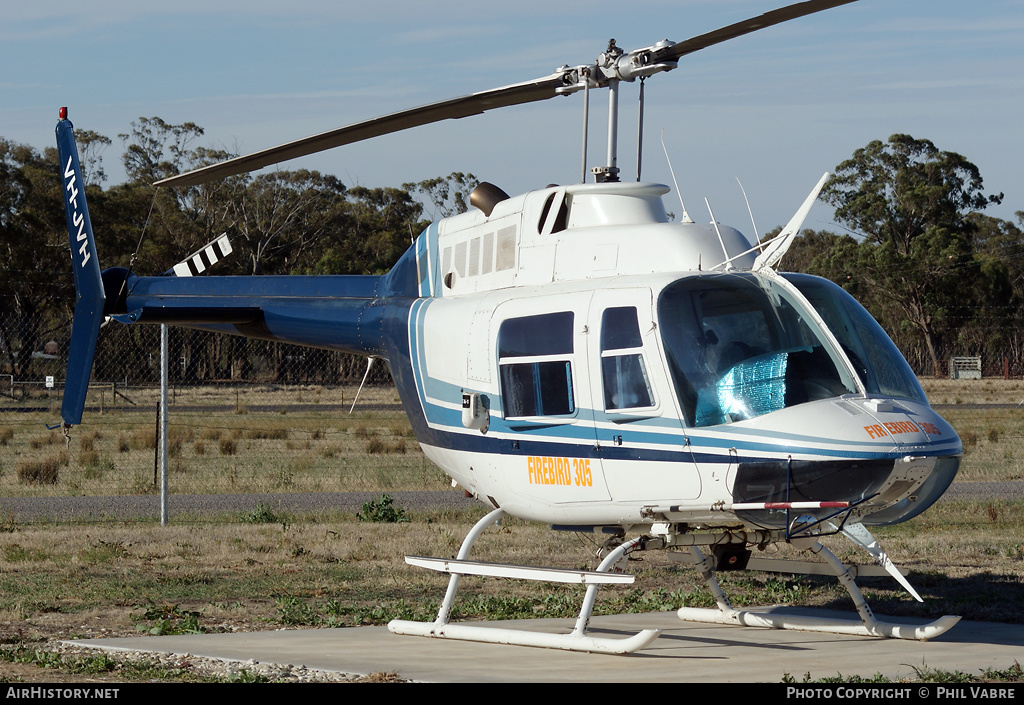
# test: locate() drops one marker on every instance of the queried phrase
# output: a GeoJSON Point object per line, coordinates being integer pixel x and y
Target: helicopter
{"type": "Point", "coordinates": [570, 356]}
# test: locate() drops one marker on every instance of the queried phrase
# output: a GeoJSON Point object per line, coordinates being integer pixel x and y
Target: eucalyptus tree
{"type": "Point", "coordinates": [910, 204]}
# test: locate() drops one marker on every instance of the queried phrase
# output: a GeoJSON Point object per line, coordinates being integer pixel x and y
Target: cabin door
{"type": "Point", "coordinates": [641, 440]}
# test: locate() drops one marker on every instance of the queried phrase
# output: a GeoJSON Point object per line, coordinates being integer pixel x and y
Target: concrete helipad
{"type": "Point", "coordinates": [685, 652]}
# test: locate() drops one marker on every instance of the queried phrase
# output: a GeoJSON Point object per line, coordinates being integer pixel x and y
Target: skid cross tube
{"type": "Point", "coordinates": [868, 625]}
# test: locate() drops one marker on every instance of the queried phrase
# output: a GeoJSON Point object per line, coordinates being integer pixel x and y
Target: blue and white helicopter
{"type": "Point", "coordinates": [569, 356]}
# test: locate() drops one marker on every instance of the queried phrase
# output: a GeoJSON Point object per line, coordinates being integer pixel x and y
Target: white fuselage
{"type": "Point", "coordinates": [633, 370]}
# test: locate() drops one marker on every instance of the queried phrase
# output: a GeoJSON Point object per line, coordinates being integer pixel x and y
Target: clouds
{"type": "Point", "coordinates": [776, 107]}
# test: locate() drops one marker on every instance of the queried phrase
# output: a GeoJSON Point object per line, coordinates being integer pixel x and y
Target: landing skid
{"type": "Point", "coordinates": [868, 625]}
{"type": "Point", "coordinates": [577, 640]}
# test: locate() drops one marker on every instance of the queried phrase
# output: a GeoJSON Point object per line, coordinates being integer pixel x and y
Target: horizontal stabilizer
{"type": "Point", "coordinates": [200, 261]}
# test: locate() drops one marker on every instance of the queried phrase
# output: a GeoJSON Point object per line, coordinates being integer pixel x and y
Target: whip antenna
{"type": "Point", "coordinates": [686, 216]}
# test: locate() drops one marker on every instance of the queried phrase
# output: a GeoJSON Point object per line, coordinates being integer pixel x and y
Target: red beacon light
{"type": "Point", "coordinates": [63, 113]}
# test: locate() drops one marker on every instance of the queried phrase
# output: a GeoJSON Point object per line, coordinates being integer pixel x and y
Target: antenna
{"type": "Point", "coordinates": [686, 216]}
{"type": "Point", "coordinates": [727, 262]}
{"type": "Point", "coordinates": [757, 238]}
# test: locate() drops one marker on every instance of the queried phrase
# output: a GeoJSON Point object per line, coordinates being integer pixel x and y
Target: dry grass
{"type": "Point", "coordinates": [307, 571]}
{"type": "Point", "coordinates": [315, 571]}
{"type": "Point", "coordinates": [218, 444]}
{"type": "Point", "coordinates": [989, 390]}
{"type": "Point", "coordinates": [268, 571]}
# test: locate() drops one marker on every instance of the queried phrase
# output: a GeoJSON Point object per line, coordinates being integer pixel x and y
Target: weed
{"type": "Point", "coordinates": [6, 434]}
{"type": "Point", "coordinates": [38, 442]}
{"type": "Point", "coordinates": [104, 552]}
{"type": "Point", "coordinates": [282, 478]}
{"type": "Point", "coordinates": [95, 466]}
{"type": "Point", "coordinates": [39, 472]}
{"type": "Point", "coordinates": [143, 439]}
{"type": "Point", "coordinates": [276, 434]}
{"type": "Point", "coordinates": [1013, 674]}
{"type": "Point", "coordinates": [227, 446]}
{"type": "Point", "coordinates": [15, 553]}
{"type": "Point", "coordinates": [926, 674]}
{"type": "Point", "coordinates": [262, 514]}
{"type": "Point", "coordinates": [377, 446]}
{"type": "Point", "coordinates": [296, 612]}
{"type": "Point", "coordinates": [187, 549]}
{"type": "Point", "coordinates": [838, 678]}
{"type": "Point", "coordinates": [168, 619]}
{"type": "Point", "coordinates": [382, 511]}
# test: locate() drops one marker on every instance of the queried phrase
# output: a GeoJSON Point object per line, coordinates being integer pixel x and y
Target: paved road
{"type": "Point", "coordinates": [207, 505]}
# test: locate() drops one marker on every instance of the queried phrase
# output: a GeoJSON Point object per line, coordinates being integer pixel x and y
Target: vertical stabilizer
{"type": "Point", "coordinates": [89, 297]}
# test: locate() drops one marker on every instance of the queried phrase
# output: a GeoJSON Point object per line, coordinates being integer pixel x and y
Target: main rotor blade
{"type": "Point", "coordinates": [768, 19]}
{"type": "Point", "coordinates": [473, 104]}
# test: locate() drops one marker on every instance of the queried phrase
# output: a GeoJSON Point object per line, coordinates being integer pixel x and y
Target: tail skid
{"type": "Point", "coordinates": [89, 296]}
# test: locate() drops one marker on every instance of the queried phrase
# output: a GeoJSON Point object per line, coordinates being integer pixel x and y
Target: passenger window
{"type": "Point", "coordinates": [626, 385]}
{"type": "Point", "coordinates": [534, 358]}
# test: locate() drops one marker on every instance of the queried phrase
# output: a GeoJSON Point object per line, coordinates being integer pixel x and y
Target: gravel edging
{"type": "Point", "coordinates": [213, 668]}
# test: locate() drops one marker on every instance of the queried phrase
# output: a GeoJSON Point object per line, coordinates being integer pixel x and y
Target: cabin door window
{"type": "Point", "coordinates": [535, 362]}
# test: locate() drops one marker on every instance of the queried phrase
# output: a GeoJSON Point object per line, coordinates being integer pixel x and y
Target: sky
{"type": "Point", "coordinates": [771, 111]}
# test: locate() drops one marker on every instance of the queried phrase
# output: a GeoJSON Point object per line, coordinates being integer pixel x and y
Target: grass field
{"type": "Point", "coordinates": [220, 441]}
{"type": "Point", "coordinates": [303, 439]}
{"type": "Point", "coordinates": [268, 570]}
{"type": "Point", "coordinates": [988, 414]}
{"type": "Point", "coordinates": [264, 570]}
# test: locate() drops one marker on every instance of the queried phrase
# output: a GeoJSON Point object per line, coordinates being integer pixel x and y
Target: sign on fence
{"type": "Point", "coordinates": [965, 368]}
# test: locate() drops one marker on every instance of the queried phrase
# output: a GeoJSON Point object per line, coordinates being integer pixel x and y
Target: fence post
{"type": "Point", "coordinates": [163, 424]}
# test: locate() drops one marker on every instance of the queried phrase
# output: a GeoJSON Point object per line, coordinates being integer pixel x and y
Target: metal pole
{"type": "Point", "coordinates": [640, 131]}
{"type": "Point", "coordinates": [586, 123]}
{"type": "Point", "coordinates": [163, 424]}
{"type": "Point", "coordinates": [613, 125]}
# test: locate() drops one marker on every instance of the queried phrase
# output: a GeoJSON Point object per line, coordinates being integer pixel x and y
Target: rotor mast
{"type": "Point", "coordinates": [611, 68]}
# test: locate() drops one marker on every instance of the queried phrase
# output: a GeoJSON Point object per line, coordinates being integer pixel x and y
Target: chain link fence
{"type": "Point", "coordinates": [244, 417]}
{"type": "Point", "coordinates": [251, 416]}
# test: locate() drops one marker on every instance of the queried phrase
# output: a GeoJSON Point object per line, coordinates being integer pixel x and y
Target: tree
{"type": "Point", "coordinates": [33, 252]}
{"type": "Point", "coordinates": [278, 217]}
{"type": "Point", "coordinates": [449, 194]}
{"type": "Point", "coordinates": [910, 203]}
{"type": "Point", "coordinates": [379, 227]}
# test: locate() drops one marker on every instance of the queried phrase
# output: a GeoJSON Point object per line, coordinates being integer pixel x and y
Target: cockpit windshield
{"type": "Point", "coordinates": [740, 346]}
{"type": "Point", "coordinates": [878, 362]}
